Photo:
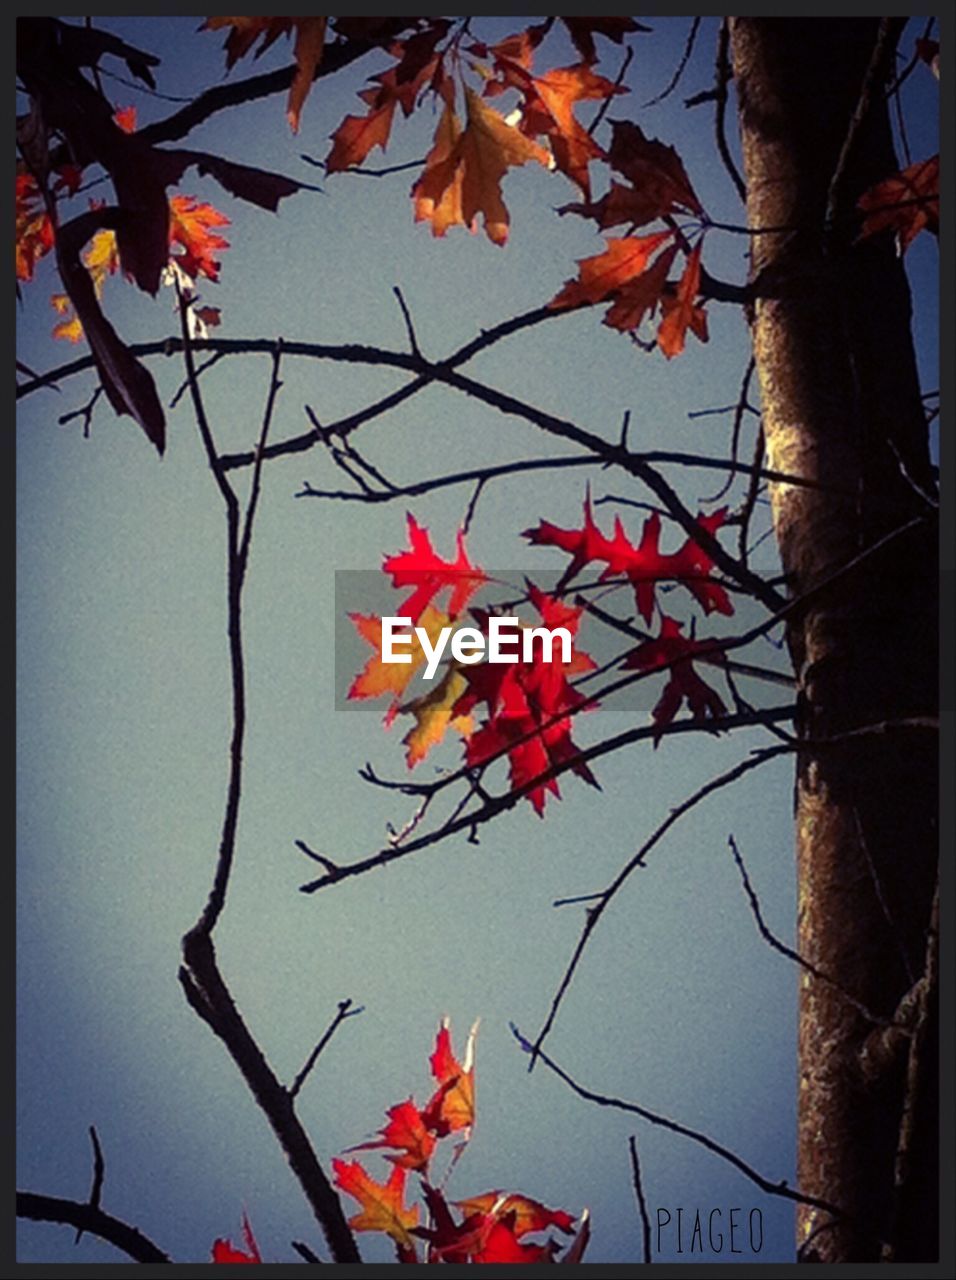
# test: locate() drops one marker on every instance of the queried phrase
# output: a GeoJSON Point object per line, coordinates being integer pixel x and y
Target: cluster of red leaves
{"type": "Point", "coordinates": [527, 703]}
{"type": "Point", "coordinates": [488, 1228]}
{"type": "Point", "coordinates": [643, 565]}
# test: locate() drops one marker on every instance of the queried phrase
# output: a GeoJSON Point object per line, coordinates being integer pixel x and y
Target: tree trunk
{"type": "Point", "coordinates": [841, 405]}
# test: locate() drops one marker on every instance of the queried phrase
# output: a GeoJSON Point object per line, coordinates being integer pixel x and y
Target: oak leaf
{"type": "Point", "coordinates": [649, 164]}
{"type": "Point", "coordinates": [528, 1214]}
{"type": "Point", "coordinates": [307, 51]}
{"type": "Point", "coordinates": [451, 1107]}
{"type": "Point", "coordinates": [434, 715]}
{"type": "Point", "coordinates": [672, 652]}
{"type": "Point", "coordinates": [601, 276]}
{"type": "Point", "coordinates": [681, 311]}
{"type": "Point", "coordinates": [420, 567]}
{"type": "Point", "coordinates": [191, 224]}
{"type": "Point", "coordinates": [472, 167]}
{"type": "Point", "coordinates": [377, 677]}
{"type": "Point", "coordinates": [583, 30]}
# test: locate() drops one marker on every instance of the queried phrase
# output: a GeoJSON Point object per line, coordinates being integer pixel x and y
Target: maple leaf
{"type": "Point", "coordinates": [422, 569]}
{"type": "Point", "coordinates": [681, 311]}
{"type": "Point", "coordinates": [583, 30]}
{"type": "Point", "coordinates": [527, 1214]}
{"type": "Point", "coordinates": [382, 1203]}
{"type": "Point", "coordinates": [377, 677]}
{"type": "Point", "coordinates": [472, 166]}
{"type": "Point", "coordinates": [452, 1106]}
{"type": "Point", "coordinates": [307, 51]}
{"type": "Point", "coordinates": [225, 1251]}
{"type": "Point", "coordinates": [600, 277]}
{"type": "Point", "coordinates": [407, 1132]}
{"type": "Point", "coordinates": [674, 652]}
{"type": "Point", "coordinates": [434, 714]}
{"type": "Point", "coordinates": [190, 226]}
{"type": "Point", "coordinates": [904, 203]}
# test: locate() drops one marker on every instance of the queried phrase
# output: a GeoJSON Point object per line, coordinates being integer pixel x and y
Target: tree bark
{"type": "Point", "coordinates": [841, 404]}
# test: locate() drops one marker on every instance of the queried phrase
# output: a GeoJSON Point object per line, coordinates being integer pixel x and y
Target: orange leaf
{"type": "Point", "coordinates": [640, 296]}
{"type": "Point", "coordinates": [382, 1207]}
{"type": "Point", "coordinates": [680, 312]}
{"type": "Point", "coordinates": [452, 1106]}
{"type": "Point", "coordinates": [905, 203]}
{"type": "Point", "coordinates": [378, 677]}
{"type": "Point", "coordinates": [601, 276]}
{"type": "Point", "coordinates": [473, 167]}
{"type": "Point", "coordinates": [406, 1131]}
{"type": "Point", "coordinates": [190, 225]}
{"type": "Point", "coordinates": [357, 135]}
{"type": "Point", "coordinates": [559, 90]}
{"type": "Point", "coordinates": [529, 1215]}
{"type": "Point", "coordinates": [309, 44]}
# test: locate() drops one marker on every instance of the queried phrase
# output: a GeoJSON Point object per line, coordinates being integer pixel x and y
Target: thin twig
{"type": "Point", "coordinates": [641, 1201]}
{"type": "Point", "coordinates": [384, 172]}
{"type": "Point", "coordinates": [595, 913]}
{"type": "Point", "coordinates": [790, 954]}
{"type": "Point", "coordinates": [304, 1252]}
{"type": "Point", "coordinates": [99, 1170]}
{"type": "Point", "coordinates": [675, 78]}
{"type": "Point", "coordinates": [724, 74]}
{"type": "Point", "coordinates": [618, 81]}
{"type": "Point", "coordinates": [85, 412]}
{"type": "Point", "coordinates": [740, 408]}
{"type": "Point", "coordinates": [345, 1011]}
{"type": "Point", "coordinates": [782, 1188]}
{"type": "Point", "coordinates": [409, 323]}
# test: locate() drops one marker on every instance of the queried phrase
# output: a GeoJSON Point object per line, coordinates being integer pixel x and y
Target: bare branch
{"type": "Point", "coordinates": [85, 412]}
{"type": "Point", "coordinates": [304, 1252]}
{"type": "Point", "coordinates": [782, 1188]}
{"type": "Point", "coordinates": [89, 1218]}
{"type": "Point", "coordinates": [345, 1011]}
{"type": "Point", "coordinates": [409, 323]}
{"type": "Point", "coordinates": [724, 74]}
{"type": "Point", "coordinates": [679, 70]}
{"type": "Point", "coordinates": [99, 1169]}
{"type": "Point", "coordinates": [595, 913]}
{"type": "Point", "coordinates": [641, 1201]}
{"type": "Point", "coordinates": [782, 949]}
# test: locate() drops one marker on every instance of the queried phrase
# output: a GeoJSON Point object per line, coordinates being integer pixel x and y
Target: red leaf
{"type": "Point", "coordinates": [905, 203]}
{"type": "Point", "coordinates": [647, 163]}
{"type": "Point", "coordinates": [405, 1131]}
{"type": "Point", "coordinates": [125, 117]}
{"type": "Point", "coordinates": [382, 1203]}
{"type": "Point", "coordinates": [452, 1106]}
{"type": "Point", "coordinates": [225, 1251]}
{"type": "Point", "coordinates": [604, 275]}
{"type": "Point", "coordinates": [674, 652]}
{"type": "Point", "coordinates": [422, 569]}
{"type": "Point", "coordinates": [528, 1215]}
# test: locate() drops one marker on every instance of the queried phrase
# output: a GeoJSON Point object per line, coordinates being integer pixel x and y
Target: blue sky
{"type": "Point", "coordinates": [123, 729]}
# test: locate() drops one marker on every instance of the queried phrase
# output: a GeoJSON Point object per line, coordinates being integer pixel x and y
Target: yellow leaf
{"type": "Point", "coordinates": [378, 677]}
{"type": "Point", "coordinates": [432, 712]}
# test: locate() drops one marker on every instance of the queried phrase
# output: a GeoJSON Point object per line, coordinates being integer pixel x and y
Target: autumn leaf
{"type": "Point", "coordinates": [225, 1251]}
{"type": "Point", "coordinates": [191, 224]}
{"type": "Point", "coordinates": [643, 565]}
{"type": "Point", "coordinates": [673, 652]}
{"type": "Point", "coordinates": [382, 1203]}
{"type": "Point", "coordinates": [452, 1106]}
{"type": "Point", "coordinates": [407, 1133]}
{"type": "Point", "coordinates": [681, 312]}
{"type": "Point", "coordinates": [583, 30]}
{"type": "Point", "coordinates": [125, 117]}
{"type": "Point", "coordinates": [377, 677]}
{"type": "Point", "coordinates": [34, 231]}
{"type": "Point", "coordinates": [601, 276]}
{"type": "Point", "coordinates": [69, 327]}
{"type": "Point", "coordinates": [905, 203]}
{"type": "Point", "coordinates": [420, 567]}
{"type": "Point", "coordinates": [307, 51]}
{"type": "Point", "coordinates": [434, 714]}
{"type": "Point", "coordinates": [462, 175]}
{"type": "Point", "coordinates": [527, 1214]}
{"type": "Point", "coordinates": [526, 704]}
{"type": "Point", "coordinates": [651, 165]}
{"type": "Point", "coordinates": [501, 1245]}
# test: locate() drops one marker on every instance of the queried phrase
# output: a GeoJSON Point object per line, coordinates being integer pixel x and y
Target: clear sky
{"type": "Point", "coordinates": [124, 719]}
